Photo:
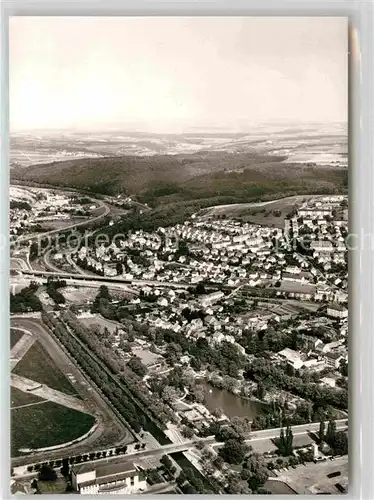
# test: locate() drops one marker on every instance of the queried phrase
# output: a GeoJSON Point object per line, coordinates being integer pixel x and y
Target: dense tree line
{"type": "Point", "coordinates": [53, 290]}
{"type": "Point", "coordinates": [19, 205]}
{"type": "Point", "coordinates": [119, 383]}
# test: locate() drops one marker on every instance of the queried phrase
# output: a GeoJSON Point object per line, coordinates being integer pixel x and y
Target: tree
{"type": "Point", "coordinates": [331, 431]}
{"type": "Point", "coordinates": [65, 469]}
{"type": "Point", "coordinates": [217, 412]}
{"type": "Point", "coordinates": [169, 394]}
{"type": "Point", "coordinates": [343, 368]}
{"type": "Point", "coordinates": [340, 444]}
{"type": "Point", "coordinates": [46, 473]}
{"type": "Point", "coordinates": [200, 289]}
{"type": "Point", "coordinates": [233, 452]}
{"type": "Point", "coordinates": [124, 345]}
{"type": "Point", "coordinates": [33, 251]}
{"type": "Point", "coordinates": [187, 432]}
{"type": "Point", "coordinates": [166, 462]}
{"type": "Point", "coordinates": [218, 462]}
{"type": "Point", "coordinates": [181, 479]}
{"type": "Point", "coordinates": [119, 268]}
{"type": "Point", "coordinates": [260, 391]}
{"type": "Point", "coordinates": [285, 442]}
{"type": "Point", "coordinates": [241, 425]}
{"type": "Point", "coordinates": [226, 433]}
{"type": "Point", "coordinates": [321, 432]}
{"type": "Point", "coordinates": [255, 464]}
{"type": "Point", "coordinates": [237, 486]}
{"type": "Point", "coordinates": [245, 474]}
{"type": "Point", "coordinates": [137, 366]}
{"type": "Point", "coordinates": [104, 292]}
{"type": "Point", "coordinates": [289, 440]}
{"type": "Point", "coordinates": [198, 393]}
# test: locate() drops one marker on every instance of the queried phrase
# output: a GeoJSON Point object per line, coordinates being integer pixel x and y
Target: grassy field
{"type": "Point", "coordinates": [20, 398]}
{"type": "Point", "coordinates": [102, 323]}
{"type": "Point", "coordinates": [57, 487]}
{"type": "Point", "coordinates": [48, 424]}
{"type": "Point", "coordinates": [15, 336]}
{"type": "Point", "coordinates": [37, 365]}
{"type": "Point", "coordinates": [270, 214]}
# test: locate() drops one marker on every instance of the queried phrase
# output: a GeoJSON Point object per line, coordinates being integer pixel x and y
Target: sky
{"type": "Point", "coordinates": [173, 74]}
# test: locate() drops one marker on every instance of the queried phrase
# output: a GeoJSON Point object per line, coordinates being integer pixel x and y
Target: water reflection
{"type": "Point", "coordinates": [231, 404]}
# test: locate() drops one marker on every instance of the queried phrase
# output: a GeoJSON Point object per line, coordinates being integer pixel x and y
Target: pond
{"type": "Point", "coordinates": [231, 404]}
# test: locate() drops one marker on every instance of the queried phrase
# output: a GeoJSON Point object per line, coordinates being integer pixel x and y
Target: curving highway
{"type": "Point", "coordinates": [67, 228]}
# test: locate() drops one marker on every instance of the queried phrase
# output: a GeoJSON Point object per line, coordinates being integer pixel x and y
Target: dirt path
{"type": "Point", "coordinates": [21, 348]}
{"type": "Point", "coordinates": [29, 404]}
{"type": "Point", "coordinates": [43, 391]}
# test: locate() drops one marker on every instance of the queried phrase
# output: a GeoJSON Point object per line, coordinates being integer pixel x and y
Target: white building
{"type": "Point", "coordinates": [210, 299]}
{"type": "Point", "coordinates": [322, 246]}
{"type": "Point", "coordinates": [337, 311]}
{"type": "Point", "coordinates": [333, 359]}
{"type": "Point", "coordinates": [112, 478]}
{"type": "Point", "coordinates": [293, 358]}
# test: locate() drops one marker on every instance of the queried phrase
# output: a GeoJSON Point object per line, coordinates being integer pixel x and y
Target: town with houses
{"type": "Point", "coordinates": [179, 241]}
{"type": "Point", "coordinates": [232, 329]}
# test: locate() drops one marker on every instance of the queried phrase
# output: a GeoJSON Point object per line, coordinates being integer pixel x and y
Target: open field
{"type": "Point", "coordinates": [289, 286]}
{"type": "Point", "coordinates": [78, 295]}
{"type": "Point", "coordinates": [147, 357]}
{"type": "Point", "coordinates": [37, 365]}
{"type": "Point", "coordinates": [20, 398]}
{"type": "Point", "coordinates": [45, 392]}
{"type": "Point", "coordinates": [57, 487]}
{"type": "Point", "coordinates": [109, 431]}
{"type": "Point", "coordinates": [15, 336]}
{"type": "Point", "coordinates": [101, 322]}
{"type": "Point", "coordinates": [48, 424]}
{"type": "Point", "coordinates": [270, 213]}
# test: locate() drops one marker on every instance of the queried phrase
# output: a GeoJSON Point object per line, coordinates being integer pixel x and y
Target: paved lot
{"type": "Point", "coordinates": [312, 478]}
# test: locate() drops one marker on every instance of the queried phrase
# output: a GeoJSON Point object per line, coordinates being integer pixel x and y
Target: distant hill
{"type": "Point", "coordinates": [165, 179]}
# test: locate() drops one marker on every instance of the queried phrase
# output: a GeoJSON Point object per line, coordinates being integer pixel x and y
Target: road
{"type": "Point", "coordinates": [48, 264]}
{"type": "Point", "coordinates": [139, 282]}
{"type": "Point", "coordinates": [42, 236]}
{"type": "Point", "coordinates": [264, 435]}
{"type": "Point", "coordinates": [109, 432]}
{"type": "Point", "coordinates": [19, 264]}
{"type": "Point", "coordinates": [89, 280]}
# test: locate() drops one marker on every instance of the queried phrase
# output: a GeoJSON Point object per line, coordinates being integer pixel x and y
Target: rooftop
{"type": "Point", "coordinates": [111, 467]}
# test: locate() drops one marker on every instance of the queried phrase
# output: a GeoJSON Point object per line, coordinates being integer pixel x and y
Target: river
{"type": "Point", "coordinates": [231, 404]}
